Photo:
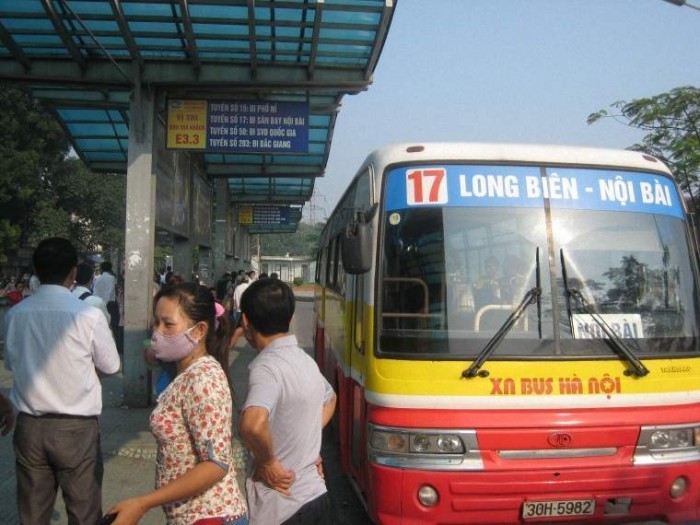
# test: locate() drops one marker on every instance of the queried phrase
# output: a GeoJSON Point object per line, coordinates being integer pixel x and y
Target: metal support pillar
{"type": "Point", "coordinates": [139, 246]}
{"type": "Point", "coordinates": [204, 269]}
{"type": "Point", "coordinates": [220, 230]}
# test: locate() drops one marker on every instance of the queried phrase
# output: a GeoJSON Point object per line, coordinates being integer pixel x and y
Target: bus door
{"type": "Point", "coordinates": [358, 368]}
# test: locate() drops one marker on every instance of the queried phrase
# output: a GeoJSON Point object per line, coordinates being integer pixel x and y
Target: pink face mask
{"type": "Point", "coordinates": [170, 348]}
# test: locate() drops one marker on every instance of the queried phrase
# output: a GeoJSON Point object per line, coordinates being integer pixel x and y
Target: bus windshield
{"type": "Point", "coordinates": [453, 270]}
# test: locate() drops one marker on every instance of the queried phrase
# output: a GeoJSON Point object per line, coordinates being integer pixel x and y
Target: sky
{"type": "Point", "coordinates": [510, 71]}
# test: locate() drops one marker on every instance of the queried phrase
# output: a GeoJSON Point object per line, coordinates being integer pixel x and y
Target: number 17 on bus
{"type": "Point", "coordinates": [426, 186]}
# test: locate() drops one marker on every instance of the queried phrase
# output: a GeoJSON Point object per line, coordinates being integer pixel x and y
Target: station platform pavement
{"type": "Point", "coordinates": [128, 447]}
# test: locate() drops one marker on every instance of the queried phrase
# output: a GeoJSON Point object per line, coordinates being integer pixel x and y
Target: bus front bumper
{"type": "Point", "coordinates": [616, 495]}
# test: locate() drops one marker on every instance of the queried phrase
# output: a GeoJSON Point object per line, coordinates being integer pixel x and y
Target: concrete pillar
{"type": "Point", "coordinates": [139, 245]}
{"type": "Point", "coordinates": [183, 257]}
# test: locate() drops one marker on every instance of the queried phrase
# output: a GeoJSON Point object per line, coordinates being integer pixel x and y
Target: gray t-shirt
{"type": "Point", "coordinates": [285, 380]}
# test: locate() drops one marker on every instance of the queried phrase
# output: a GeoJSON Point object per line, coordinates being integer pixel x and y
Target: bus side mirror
{"type": "Point", "coordinates": [356, 246]}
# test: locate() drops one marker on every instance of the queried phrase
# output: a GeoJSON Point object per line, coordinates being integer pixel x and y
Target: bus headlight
{"type": "Point", "coordinates": [397, 441]}
{"type": "Point", "coordinates": [436, 444]}
{"type": "Point", "coordinates": [389, 441]}
{"type": "Point", "coordinates": [426, 449]}
{"type": "Point", "coordinates": [668, 444]}
{"type": "Point", "coordinates": [671, 438]}
{"type": "Point", "coordinates": [450, 444]}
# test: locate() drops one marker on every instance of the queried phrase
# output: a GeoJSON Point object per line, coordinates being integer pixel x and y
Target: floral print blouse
{"type": "Point", "coordinates": [193, 423]}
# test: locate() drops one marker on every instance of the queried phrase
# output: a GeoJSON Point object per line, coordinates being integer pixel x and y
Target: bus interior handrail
{"type": "Point", "coordinates": [416, 280]}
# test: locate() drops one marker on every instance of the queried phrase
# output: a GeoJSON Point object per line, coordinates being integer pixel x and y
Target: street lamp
{"type": "Point", "coordinates": [681, 3]}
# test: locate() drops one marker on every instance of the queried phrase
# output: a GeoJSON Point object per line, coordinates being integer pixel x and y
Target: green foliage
{"type": "Point", "coordinates": [304, 242]}
{"type": "Point", "coordinates": [31, 145]}
{"type": "Point", "coordinates": [298, 281]}
{"type": "Point", "coordinates": [44, 191]}
{"type": "Point", "coordinates": [160, 256]}
{"type": "Point", "coordinates": [9, 238]}
{"type": "Point", "coordinates": [672, 125]}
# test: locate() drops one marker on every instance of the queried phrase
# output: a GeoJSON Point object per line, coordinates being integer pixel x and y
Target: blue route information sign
{"type": "Point", "coordinates": [250, 126]}
{"type": "Point", "coordinates": [264, 215]}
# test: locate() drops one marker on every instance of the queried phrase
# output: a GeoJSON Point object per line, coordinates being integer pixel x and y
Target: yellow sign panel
{"type": "Point", "coordinates": [245, 215]}
{"type": "Point", "coordinates": [187, 124]}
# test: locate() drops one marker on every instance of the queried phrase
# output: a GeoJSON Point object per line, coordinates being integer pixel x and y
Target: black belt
{"type": "Point", "coordinates": [56, 416]}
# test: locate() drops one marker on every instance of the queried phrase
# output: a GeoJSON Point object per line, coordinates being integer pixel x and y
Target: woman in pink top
{"type": "Point", "coordinates": [195, 477]}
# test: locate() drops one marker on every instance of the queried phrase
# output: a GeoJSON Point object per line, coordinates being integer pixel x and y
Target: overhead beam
{"type": "Point", "coordinates": [380, 37]}
{"type": "Point", "coordinates": [315, 37]}
{"type": "Point", "coordinates": [126, 32]}
{"type": "Point", "coordinates": [252, 41]}
{"type": "Point", "coordinates": [14, 49]}
{"type": "Point", "coordinates": [234, 77]}
{"type": "Point", "coordinates": [190, 42]}
{"type": "Point", "coordinates": [63, 34]}
{"type": "Point", "coordinates": [252, 170]}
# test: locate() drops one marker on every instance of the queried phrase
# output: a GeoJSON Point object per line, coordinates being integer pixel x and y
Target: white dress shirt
{"type": "Point", "coordinates": [105, 287]}
{"type": "Point", "coordinates": [92, 300]}
{"type": "Point", "coordinates": [54, 345]}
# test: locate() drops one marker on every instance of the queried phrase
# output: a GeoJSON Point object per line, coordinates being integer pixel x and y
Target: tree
{"type": "Point", "coordinates": [672, 125]}
{"type": "Point", "coordinates": [86, 207]}
{"type": "Point", "coordinates": [44, 191]}
{"type": "Point", "coordinates": [31, 145]}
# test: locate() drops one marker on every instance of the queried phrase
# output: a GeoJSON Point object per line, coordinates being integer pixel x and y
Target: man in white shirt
{"type": "Point", "coordinates": [55, 345]}
{"type": "Point", "coordinates": [83, 284]}
{"type": "Point", "coordinates": [105, 288]}
{"type": "Point", "coordinates": [237, 294]}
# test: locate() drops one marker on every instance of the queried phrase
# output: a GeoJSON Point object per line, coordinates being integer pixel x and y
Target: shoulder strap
{"type": "Point", "coordinates": [84, 296]}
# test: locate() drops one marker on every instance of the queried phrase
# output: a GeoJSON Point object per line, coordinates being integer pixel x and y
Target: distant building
{"type": "Point", "coordinates": [289, 267]}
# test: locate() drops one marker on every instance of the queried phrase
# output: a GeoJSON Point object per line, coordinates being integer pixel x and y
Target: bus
{"type": "Point", "coordinates": [512, 332]}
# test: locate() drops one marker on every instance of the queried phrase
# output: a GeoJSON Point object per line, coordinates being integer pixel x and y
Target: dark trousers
{"type": "Point", "coordinates": [315, 512]}
{"type": "Point", "coordinates": [58, 451]}
{"type": "Point", "coordinates": [113, 310]}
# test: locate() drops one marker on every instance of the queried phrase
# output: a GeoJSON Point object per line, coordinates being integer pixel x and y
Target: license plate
{"type": "Point", "coordinates": [546, 509]}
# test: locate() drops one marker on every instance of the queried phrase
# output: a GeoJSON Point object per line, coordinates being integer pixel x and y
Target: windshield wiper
{"type": "Point", "coordinates": [638, 368]}
{"type": "Point", "coordinates": [530, 297]}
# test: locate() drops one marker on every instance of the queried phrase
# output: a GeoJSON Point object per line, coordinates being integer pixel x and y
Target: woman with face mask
{"type": "Point", "coordinates": [195, 478]}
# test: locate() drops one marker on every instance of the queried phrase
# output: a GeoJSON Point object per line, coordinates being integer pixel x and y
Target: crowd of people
{"type": "Point", "coordinates": [14, 289]}
{"type": "Point", "coordinates": [59, 340]}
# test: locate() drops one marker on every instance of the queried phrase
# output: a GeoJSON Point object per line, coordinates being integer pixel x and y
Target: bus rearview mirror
{"type": "Point", "coordinates": [356, 248]}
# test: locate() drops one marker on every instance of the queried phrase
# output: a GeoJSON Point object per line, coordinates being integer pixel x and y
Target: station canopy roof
{"type": "Point", "coordinates": [85, 58]}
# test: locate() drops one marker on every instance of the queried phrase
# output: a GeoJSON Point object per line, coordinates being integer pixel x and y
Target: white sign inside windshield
{"type": "Point", "coordinates": [624, 326]}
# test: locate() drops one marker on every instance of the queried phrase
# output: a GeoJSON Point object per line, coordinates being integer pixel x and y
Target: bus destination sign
{"type": "Point", "coordinates": [525, 187]}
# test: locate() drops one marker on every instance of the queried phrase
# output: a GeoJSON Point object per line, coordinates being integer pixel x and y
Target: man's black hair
{"type": "Point", "coordinates": [269, 306]}
{"type": "Point", "coordinates": [85, 274]}
{"type": "Point", "coordinates": [106, 266]}
{"type": "Point", "coordinates": [54, 259]}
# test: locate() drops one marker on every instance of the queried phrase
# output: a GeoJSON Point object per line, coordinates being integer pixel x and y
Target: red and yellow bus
{"type": "Point", "coordinates": [513, 333]}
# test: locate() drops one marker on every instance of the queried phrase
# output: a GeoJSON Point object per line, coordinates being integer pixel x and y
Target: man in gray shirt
{"type": "Point", "coordinates": [289, 402]}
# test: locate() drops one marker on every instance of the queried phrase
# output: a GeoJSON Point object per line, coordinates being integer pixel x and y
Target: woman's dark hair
{"type": "Point", "coordinates": [269, 306]}
{"type": "Point", "coordinates": [53, 260]}
{"type": "Point", "coordinates": [198, 304]}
